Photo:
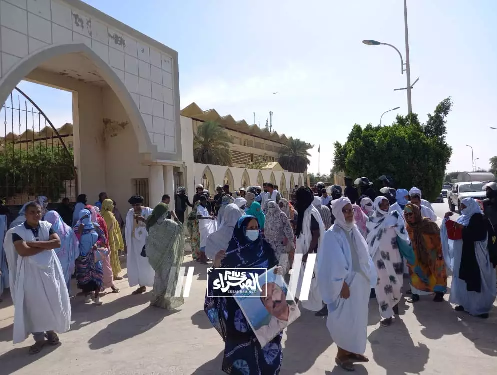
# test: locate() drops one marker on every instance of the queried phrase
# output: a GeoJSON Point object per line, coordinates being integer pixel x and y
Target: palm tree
{"type": "Point", "coordinates": [211, 144]}
{"type": "Point", "coordinates": [294, 157]}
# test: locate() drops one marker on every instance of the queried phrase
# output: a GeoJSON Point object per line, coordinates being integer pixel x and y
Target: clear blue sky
{"type": "Point", "coordinates": [234, 54]}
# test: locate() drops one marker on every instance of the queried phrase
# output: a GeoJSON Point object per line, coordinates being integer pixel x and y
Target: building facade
{"type": "Point", "coordinates": [122, 81]}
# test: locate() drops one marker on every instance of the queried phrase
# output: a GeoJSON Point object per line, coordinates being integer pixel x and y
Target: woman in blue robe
{"type": "Point", "coordinates": [243, 354]}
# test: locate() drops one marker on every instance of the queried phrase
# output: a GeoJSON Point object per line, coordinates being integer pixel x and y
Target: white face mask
{"type": "Point", "coordinates": [252, 234]}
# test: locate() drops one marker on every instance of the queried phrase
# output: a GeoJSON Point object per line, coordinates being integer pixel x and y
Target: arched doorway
{"type": "Point", "coordinates": [260, 179]}
{"type": "Point", "coordinates": [273, 179]}
{"type": "Point", "coordinates": [228, 180]}
{"type": "Point", "coordinates": [283, 188]}
{"type": "Point", "coordinates": [245, 179]}
{"type": "Point", "coordinates": [208, 180]}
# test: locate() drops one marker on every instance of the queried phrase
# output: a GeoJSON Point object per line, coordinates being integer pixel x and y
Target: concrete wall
{"type": "Point", "coordinates": [147, 69]}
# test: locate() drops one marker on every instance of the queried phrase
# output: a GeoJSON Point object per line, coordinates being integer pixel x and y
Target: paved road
{"type": "Point", "coordinates": [125, 336]}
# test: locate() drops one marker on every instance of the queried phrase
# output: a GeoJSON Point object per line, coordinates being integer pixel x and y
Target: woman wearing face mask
{"type": "Point", "coordinates": [366, 205]}
{"type": "Point", "coordinates": [345, 278]}
{"type": "Point", "coordinates": [278, 232]}
{"type": "Point", "coordinates": [242, 352]}
{"type": "Point", "coordinates": [384, 229]}
{"type": "Point", "coordinates": [402, 197]}
{"type": "Point", "coordinates": [473, 286]}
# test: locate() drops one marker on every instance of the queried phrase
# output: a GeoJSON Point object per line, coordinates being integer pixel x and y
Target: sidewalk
{"type": "Point", "coordinates": [125, 336]}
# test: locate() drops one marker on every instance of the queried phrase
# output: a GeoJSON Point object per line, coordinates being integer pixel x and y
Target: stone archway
{"type": "Point", "coordinates": [29, 63]}
{"type": "Point", "coordinates": [229, 180]}
{"type": "Point", "coordinates": [208, 180]}
{"type": "Point", "coordinates": [245, 179]}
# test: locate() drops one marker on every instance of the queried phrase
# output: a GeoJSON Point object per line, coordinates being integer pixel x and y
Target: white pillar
{"type": "Point", "coordinates": [169, 183]}
{"type": "Point", "coordinates": [156, 184]}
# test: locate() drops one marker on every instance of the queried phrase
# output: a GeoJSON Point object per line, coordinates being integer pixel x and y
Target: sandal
{"type": "Point", "coordinates": [140, 290]}
{"type": "Point", "coordinates": [118, 278]}
{"type": "Point", "coordinates": [346, 364]}
{"type": "Point", "coordinates": [52, 339]}
{"type": "Point", "coordinates": [36, 348]}
{"type": "Point", "coordinates": [358, 358]}
{"type": "Point", "coordinates": [115, 290]}
{"type": "Point", "coordinates": [386, 322]}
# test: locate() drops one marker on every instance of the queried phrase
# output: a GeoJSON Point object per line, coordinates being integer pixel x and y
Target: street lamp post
{"type": "Point", "coordinates": [472, 160]}
{"type": "Point", "coordinates": [476, 167]}
{"type": "Point", "coordinates": [393, 109]}
{"type": "Point", "coordinates": [408, 65]}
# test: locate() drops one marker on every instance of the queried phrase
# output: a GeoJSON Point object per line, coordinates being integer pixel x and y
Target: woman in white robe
{"type": "Point", "coordinates": [384, 228]}
{"type": "Point", "coordinates": [344, 280]}
{"type": "Point", "coordinates": [41, 300]}
{"type": "Point", "coordinates": [140, 272]}
{"type": "Point", "coordinates": [217, 242]}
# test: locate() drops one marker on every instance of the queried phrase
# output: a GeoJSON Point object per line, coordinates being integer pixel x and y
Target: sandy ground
{"type": "Point", "coordinates": [126, 336]}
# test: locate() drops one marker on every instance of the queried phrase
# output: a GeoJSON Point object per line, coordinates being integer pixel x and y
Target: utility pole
{"type": "Point", "coordinates": [408, 65]}
{"type": "Point", "coordinates": [254, 118]}
{"type": "Point", "coordinates": [270, 121]}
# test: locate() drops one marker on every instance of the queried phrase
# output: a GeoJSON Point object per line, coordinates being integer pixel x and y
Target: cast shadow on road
{"type": "Point", "coordinates": [127, 328]}
{"type": "Point", "coordinates": [84, 314]}
{"type": "Point", "coordinates": [306, 339]}
{"type": "Point", "coordinates": [428, 314]}
{"type": "Point", "coordinates": [481, 332]}
{"type": "Point", "coordinates": [200, 320]}
{"type": "Point", "coordinates": [212, 367]}
{"type": "Point", "coordinates": [19, 358]}
{"type": "Point", "coordinates": [394, 350]}
{"type": "Point", "coordinates": [199, 269]}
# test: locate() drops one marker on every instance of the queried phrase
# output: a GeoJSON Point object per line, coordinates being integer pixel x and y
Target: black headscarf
{"type": "Point", "coordinates": [135, 199]}
{"type": "Point", "coordinates": [304, 197]}
{"type": "Point", "coordinates": [81, 199]}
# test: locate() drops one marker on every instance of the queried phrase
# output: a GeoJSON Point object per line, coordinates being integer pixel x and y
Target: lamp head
{"type": "Point", "coordinates": [371, 42]}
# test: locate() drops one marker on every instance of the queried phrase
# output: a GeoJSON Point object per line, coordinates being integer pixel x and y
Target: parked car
{"type": "Point", "coordinates": [463, 190]}
{"type": "Point", "coordinates": [446, 188]}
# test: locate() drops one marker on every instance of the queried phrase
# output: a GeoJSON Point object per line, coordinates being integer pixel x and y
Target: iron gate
{"type": "Point", "coordinates": [34, 158]}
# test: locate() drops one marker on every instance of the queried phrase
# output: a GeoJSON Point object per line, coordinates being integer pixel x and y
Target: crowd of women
{"type": "Point", "coordinates": [376, 241]}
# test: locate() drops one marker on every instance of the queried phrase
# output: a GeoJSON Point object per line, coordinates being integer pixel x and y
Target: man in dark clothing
{"type": "Point", "coordinates": [490, 211]}
{"type": "Point", "coordinates": [350, 190]}
{"type": "Point", "coordinates": [65, 211]}
{"type": "Point", "coordinates": [199, 192]}
{"type": "Point", "coordinates": [181, 202]}
{"type": "Point", "coordinates": [218, 198]}
{"type": "Point", "coordinates": [226, 190]}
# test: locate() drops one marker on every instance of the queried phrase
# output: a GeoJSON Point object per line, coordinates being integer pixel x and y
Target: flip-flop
{"type": "Point", "coordinates": [36, 347]}
{"type": "Point", "coordinates": [358, 358]}
{"type": "Point", "coordinates": [140, 290]}
{"type": "Point", "coordinates": [347, 365]}
{"type": "Point", "coordinates": [115, 290]}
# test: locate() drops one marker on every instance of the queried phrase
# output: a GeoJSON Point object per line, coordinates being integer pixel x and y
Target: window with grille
{"type": "Point", "coordinates": [140, 187]}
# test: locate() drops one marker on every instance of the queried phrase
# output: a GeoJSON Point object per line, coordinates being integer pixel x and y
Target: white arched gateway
{"type": "Point", "coordinates": [123, 82]}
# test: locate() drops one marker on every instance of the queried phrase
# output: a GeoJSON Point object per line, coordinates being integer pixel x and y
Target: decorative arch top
{"type": "Point", "coordinates": [208, 179]}
{"type": "Point", "coordinates": [245, 179]}
{"type": "Point", "coordinates": [29, 63]}
{"type": "Point", "coordinates": [229, 180]}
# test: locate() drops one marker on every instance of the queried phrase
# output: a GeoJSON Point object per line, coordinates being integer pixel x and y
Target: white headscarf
{"type": "Point", "coordinates": [381, 220]}
{"type": "Point", "coordinates": [240, 202]}
{"type": "Point", "coordinates": [337, 208]}
{"type": "Point", "coordinates": [472, 207]}
{"type": "Point", "coordinates": [367, 209]}
{"type": "Point", "coordinates": [316, 202]}
{"type": "Point", "coordinates": [220, 239]}
{"type": "Point", "coordinates": [415, 191]}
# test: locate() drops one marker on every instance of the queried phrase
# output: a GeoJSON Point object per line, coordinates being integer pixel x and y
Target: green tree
{"type": "Point", "coordinates": [413, 154]}
{"type": "Point", "coordinates": [211, 144]}
{"type": "Point", "coordinates": [39, 170]}
{"type": "Point", "coordinates": [294, 156]}
{"type": "Point", "coordinates": [493, 165]}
